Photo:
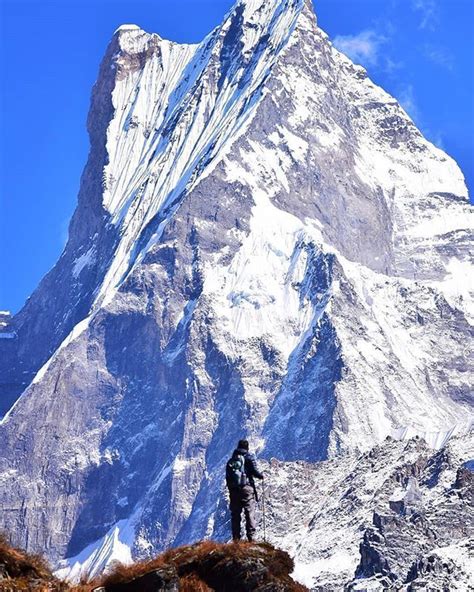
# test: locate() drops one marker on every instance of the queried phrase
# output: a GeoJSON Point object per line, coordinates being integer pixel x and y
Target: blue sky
{"type": "Point", "coordinates": [421, 51]}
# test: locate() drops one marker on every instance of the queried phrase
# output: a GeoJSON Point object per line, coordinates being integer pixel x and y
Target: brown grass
{"type": "Point", "coordinates": [193, 583]}
{"type": "Point", "coordinates": [21, 571]}
{"type": "Point", "coordinates": [203, 567]}
{"type": "Point", "coordinates": [212, 566]}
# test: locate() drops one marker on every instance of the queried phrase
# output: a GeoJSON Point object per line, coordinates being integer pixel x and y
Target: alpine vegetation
{"type": "Point", "coordinates": [264, 247]}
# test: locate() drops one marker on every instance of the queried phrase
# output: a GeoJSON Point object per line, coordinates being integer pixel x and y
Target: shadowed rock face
{"type": "Point", "coordinates": [264, 245]}
{"type": "Point", "coordinates": [65, 295]}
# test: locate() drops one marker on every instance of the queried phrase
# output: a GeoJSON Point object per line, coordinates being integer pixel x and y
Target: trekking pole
{"type": "Point", "coordinates": [263, 512]}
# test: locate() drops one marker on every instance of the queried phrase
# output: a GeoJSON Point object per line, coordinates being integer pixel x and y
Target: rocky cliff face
{"type": "Point", "coordinates": [264, 244]}
{"type": "Point", "coordinates": [398, 517]}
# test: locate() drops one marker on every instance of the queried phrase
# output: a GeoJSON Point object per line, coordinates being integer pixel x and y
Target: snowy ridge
{"type": "Point", "coordinates": [436, 440]}
{"type": "Point", "coordinates": [178, 118]}
{"type": "Point", "coordinates": [115, 546]}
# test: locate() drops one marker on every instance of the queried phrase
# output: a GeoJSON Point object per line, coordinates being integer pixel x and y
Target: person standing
{"type": "Point", "coordinates": [241, 470]}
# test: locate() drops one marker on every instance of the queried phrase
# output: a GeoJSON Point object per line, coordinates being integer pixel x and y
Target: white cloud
{"type": "Point", "coordinates": [435, 137]}
{"type": "Point", "coordinates": [439, 56]}
{"type": "Point", "coordinates": [363, 48]}
{"type": "Point", "coordinates": [392, 66]}
{"type": "Point", "coordinates": [406, 98]}
{"type": "Point", "coordinates": [437, 140]}
{"type": "Point", "coordinates": [428, 10]}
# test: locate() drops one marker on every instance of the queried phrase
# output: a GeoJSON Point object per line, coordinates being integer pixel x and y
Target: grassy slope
{"type": "Point", "coordinates": [202, 567]}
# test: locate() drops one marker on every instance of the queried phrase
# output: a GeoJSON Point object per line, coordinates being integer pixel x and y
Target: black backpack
{"type": "Point", "coordinates": [235, 471]}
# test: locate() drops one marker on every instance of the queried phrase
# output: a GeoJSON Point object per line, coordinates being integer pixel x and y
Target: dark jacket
{"type": "Point", "coordinates": [250, 466]}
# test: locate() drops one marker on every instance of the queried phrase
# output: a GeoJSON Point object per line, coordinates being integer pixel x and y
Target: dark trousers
{"type": "Point", "coordinates": [242, 499]}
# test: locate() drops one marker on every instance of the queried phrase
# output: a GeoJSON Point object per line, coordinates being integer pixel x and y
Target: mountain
{"type": "Point", "coordinates": [264, 245]}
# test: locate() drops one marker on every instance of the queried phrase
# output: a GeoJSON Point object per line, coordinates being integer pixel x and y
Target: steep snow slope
{"type": "Point", "coordinates": [265, 245]}
{"type": "Point", "coordinates": [178, 112]}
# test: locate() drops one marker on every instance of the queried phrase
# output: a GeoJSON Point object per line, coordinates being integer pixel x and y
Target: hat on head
{"type": "Point", "coordinates": [244, 444]}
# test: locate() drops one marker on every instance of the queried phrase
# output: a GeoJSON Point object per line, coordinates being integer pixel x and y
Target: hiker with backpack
{"type": "Point", "coordinates": [241, 470]}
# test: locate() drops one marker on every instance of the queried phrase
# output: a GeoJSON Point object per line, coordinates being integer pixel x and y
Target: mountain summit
{"type": "Point", "coordinates": [264, 245]}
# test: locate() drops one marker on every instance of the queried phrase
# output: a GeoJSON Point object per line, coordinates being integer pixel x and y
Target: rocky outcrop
{"type": "Point", "coordinates": [431, 570]}
{"type": "Point", "coordinates": [465, 481]}
{"type": "Point", "coordinates": [400, 547]}
{"type": "Point", "coordinates": [208, 566]}
{"type": "Point", "coordinates": [202, 567]}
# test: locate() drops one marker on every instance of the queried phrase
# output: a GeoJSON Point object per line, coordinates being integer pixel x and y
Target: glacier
{"type": "Point", "coordinates": [264, 245]}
